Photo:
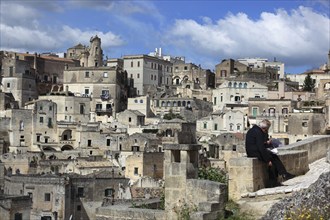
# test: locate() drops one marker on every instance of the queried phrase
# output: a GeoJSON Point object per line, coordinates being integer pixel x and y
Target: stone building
{"type": "Point", "coordinates": [49, 194]}
{"type": "Point", "coordinates": [131, 118]}
{"type": "Point", "coordinates": [189, 72]}
{"type": "Point", "coordinates": [91, 191]}
{"type": "Point", "coordinates": [189, 108]}
{"type": "Point", "coordinates": [302, 125]}
{"type": "Point", "coordinates": [28, 75]}
{"type": "Point", "coordinates": [144, 164]}
{"type": "Point", "coordinates": [228, 69]}
{"type": "Point", "coordinates": [148, 72]}
{"type": "Point", "coordinates": [275, 110]}
{"type": "Point", "coordinates": [91, 56]}
{"type": "Point", "coordinates": [143, 142]}
{"type": "Point", "coordinates": [69, 108]}
{"type": "Point", "coordinates": [19, 78]}
{"type": "Point", "coordinates": [141, 103]}
{"type": "Point", "coordinates": [15, 207]}
{"type": "Point", "coordinates": [228, 121]}
{"type": "Point", "coordinates": [16, 125]}
{"type": "Point", "coordinates": [107, 88]}
{"type": "Point", "coordinates": [260, 63]}
{"type": "Point", "coordinates": [237, 92]}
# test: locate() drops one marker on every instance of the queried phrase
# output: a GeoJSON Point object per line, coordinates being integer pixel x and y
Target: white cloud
{"type": "Point", "coordinates": [298, 37]}
{"type": "Point", "coordinates": [24, 39]}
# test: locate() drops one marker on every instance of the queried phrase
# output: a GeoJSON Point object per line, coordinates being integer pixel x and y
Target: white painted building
{"type": "Point", "coordinates": [222, 122]}
{"type": "Point", "coordinates": [237, 92]}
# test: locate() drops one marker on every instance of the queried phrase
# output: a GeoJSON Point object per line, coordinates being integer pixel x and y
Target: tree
{"type": "Point", "coordinates": [309, 84]}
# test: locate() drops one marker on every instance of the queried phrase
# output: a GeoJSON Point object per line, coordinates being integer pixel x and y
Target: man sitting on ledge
{"type": "Point", "coordinates": [256, 146]}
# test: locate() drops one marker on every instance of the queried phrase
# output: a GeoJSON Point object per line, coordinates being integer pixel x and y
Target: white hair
{"type": "Point", "coordinates": [264, 123]}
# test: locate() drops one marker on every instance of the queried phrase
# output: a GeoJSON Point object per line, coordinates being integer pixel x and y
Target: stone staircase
{"type": "Point", "coordinates": [208, 211]}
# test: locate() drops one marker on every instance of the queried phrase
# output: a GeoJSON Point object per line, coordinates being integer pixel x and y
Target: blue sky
{"type": "Point", "coordinates": [205, 32]}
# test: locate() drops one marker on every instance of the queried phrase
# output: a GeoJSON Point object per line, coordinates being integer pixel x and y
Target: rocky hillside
{"type": "Point", "coordinates": [311, 203]}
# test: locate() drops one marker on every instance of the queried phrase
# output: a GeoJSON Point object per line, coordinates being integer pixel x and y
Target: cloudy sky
{"type": "Point", "coordinates": [205, 32]}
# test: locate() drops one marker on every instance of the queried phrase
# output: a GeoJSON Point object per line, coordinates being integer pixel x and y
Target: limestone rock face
{"type": "Point", "coordinates": [314, 199]}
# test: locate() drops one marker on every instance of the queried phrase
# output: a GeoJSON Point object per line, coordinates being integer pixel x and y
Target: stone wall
{"type": "Point", "coordinates": [107, 213]}
{"type": "Point", "coordinates": [316, 147]}
{"type": "Point", "coordinates": [249, 174]}
{"type": "Point", "coordinates": [199, 191]}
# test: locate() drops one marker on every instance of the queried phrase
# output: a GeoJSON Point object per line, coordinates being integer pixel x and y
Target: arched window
{"type": "Point", "coordinates": [229, 84]}
{"type": "Point", "coordinates": [179, 103]}
{"type": "Point", "coordinates": [235, 84]}
{"type": "Point", "coordinates": [240, 85]}
{"type": "Point", "coordinates": [245, 85]}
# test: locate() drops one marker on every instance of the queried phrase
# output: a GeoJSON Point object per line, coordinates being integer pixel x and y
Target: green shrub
{"type": "Point", "coordinates": [213, 174]}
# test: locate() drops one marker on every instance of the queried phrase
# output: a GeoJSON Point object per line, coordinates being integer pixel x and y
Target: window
{"type": "Point", "coordinates": [136, 171]}
{"type": "Point", "coordinates": [234, 147]}
{"type": "Point", "coordinates": [254, 111]}
{"type": "Point", "coordinates": [285, 111]}
{"type": "Point", "coordinates": [41, 119]}
{"type": "Point", "coordinates": [109, 192]}
{"type": "Point", "coordinates": [21, 125]}
{"type": "Point", "coordinates": [185, 68]}
{"type": "Point", "coordinates": [223, 73]}
{"type": "Point", "coordinates": [155, 77]}
{"type": "Point", "coordinates": [98, 107]}
{"type": "Point", "coordinates": [18, 216]}
{"type": "Point", "coordinates": [205, 125]}
{"type": "Point", "coordinates": [138, 75]}
{"type": "Point", "coordinates": [214, 100]}
{"type": "Point", "coordinates": [11, 71]}
{"type": "Point", "coordinates": [129, 119]}
{"type": "Point", "coordinates": [215, 127]}
{"type": "Point", "coordinates": [105, 74]}
{"type": "Point", "coordinates": [136, 101]}
{"type": "Point", "coordinates": [40, 107]}
{"type": "Point", "coordinates": [238, 127]}
{"type": "Point", "coordinates": [304, 123]}
{"type": "Point", "coordinates": [105, 94]}
{"type": "Point", "coordinates": [221, 98]}
{"type": "Point", "coordinates": [8, 85]}
{"type": "Point", "coordinates": [50, 124]}
{"type": "Point", "coordinates": [131, 75]}
{"type": "Point", "coordinates": [82, 109]}
{"type": "Point", "coordinates": [47, 197]}
{"type": "Point", "coordinates": [89, 143]}
{"type": "Point", "coordinates": [152, 77]}
{"type": "Point", "coordinates": [231, 127]}
{"type": "Point", "coordinates": [237, 98]}
{"type": "Point", "coordinates": [38, 138]}
{"type": "Point", "coordinates": [108, 142]}
{"type": "Point", "coordinates": [80, 192]}
{"type": "Point", "coordinates": [141, 100]}
{"type": "Point", "coordinates": [78, 207]}
{"type": "Point", "coordinates": [86, 74]}
{"type": "Point", "coordinates": [138, 63]}
{"type": "Point", "coordinates": [50, 108]}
